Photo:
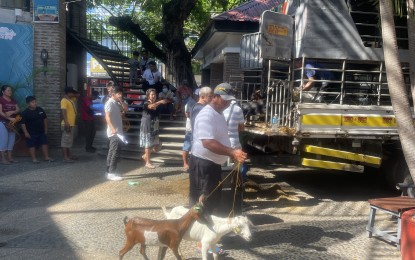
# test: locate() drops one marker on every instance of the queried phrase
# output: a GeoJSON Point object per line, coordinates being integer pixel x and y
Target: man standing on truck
{"type": "Point", "coordinates": [314, 71]}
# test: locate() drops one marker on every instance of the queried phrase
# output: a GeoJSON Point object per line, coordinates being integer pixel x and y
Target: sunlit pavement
{"type": "Point", "coordinates": [70, 211]}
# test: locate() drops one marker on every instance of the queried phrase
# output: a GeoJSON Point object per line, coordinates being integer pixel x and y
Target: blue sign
{"type": "Point", "coordinates": [16, 52]}
{"type": "Point", "coordinates": [46, 11]}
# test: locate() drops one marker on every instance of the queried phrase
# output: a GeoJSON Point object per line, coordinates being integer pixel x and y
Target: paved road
{"type": "Point", "coordinates": [69, 211]}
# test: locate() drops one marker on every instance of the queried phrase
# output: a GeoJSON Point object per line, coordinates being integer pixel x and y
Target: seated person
{"type": "Point", "coordinates": [311, 85]}
{"type": "Point", "coordinates": [134, 68]}
{"type": "Point", "coordinates": [167, 95]}
{"type": "Point", "coordinates": [152, 77]}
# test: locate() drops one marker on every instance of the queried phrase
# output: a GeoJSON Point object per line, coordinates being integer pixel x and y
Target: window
{"type": "Point", "coordinates": [12, 4]}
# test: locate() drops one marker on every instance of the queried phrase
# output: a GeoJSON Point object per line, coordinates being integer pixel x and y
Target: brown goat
{"type": "Point", "coordinates": [165, 233]}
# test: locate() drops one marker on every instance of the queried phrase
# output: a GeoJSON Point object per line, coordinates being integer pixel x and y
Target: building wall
{"type": "Point", "coordinates": [205, 77]}
{"type": "Point", "coordinates": [216, 74]}
{"type": "Point", "coordinates": [50, 81]}
{"type": "Point", "coordinates": [76, 54]}
{"type": "Point", "coordinates": [48, 87]}
{"type": "Point", "coordinates": [232, 71]}
{"type": "Point", "coordinates": [226, 71]}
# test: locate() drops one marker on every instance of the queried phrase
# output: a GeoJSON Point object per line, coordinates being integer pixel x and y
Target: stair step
{"type": "Point", "coordinates": [102, 49]}
{"type": "Point", "coordinates": [111, 56]}
{"type": "Point", "coordinates": [169, 157]}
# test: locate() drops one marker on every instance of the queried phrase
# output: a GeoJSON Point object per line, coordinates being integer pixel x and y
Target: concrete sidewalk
{"type": "Point", "coordinates": [70, 211]}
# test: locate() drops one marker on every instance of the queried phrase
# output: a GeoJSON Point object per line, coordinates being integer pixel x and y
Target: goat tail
{"type": "Point", "coordinates": [125, 220]}
{"type": "Point", "coordinates": [166, 214]}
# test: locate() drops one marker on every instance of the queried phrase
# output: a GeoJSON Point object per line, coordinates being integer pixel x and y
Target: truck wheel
{"type": "Point", "coordinates": [396, 171]}
{"type": "Point", "coordinates": [409, 191]}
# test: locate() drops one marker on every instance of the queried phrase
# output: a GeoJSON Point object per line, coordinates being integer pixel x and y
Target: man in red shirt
{"type": "Point", "coordinates": [87, 116]}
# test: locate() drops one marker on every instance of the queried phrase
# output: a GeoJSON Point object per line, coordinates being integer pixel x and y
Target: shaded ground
{"type": "Point", "coordinates": [69, 211]}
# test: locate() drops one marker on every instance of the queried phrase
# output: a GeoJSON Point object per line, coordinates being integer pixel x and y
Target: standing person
{"type": "Point", "coordinates": [35, 129]}
{"type": "Point", "coordinates": [8, 111]}
{"type": "Point", "coordinates": [149, 128]}
{"type": "Point", "coordinates": [183, 95]}
{"type": "Point", "coordinates": [205, 97]}
{"type": "Point", "coordinates": [69, 112]}
{"type": "Point", "coordinates": [87, 116]}
{"type": "Point", "coordinates": [110, 88]}
{"type": "Point", "coordinates": [152, 77]}
{"type": "Point", "coordinates": [235, 120]}
{"type": "Point", "coordinates": [134, 66]}
{"type": "Point", "coordinates": [211, 148]}
{"type": "Point", "coordinates": [187, 144]}
{"type": "Point", "coordinates": [191, 110]}
{"type": "Point", "coordinates": [113, 117]}
{"type": "Point", "coordinates": [196, 93]}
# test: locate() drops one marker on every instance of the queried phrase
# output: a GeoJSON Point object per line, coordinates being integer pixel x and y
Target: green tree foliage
{"type": "Point", "coordinates": [167, 28]}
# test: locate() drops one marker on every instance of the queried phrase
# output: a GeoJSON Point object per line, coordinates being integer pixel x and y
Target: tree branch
{"type": "Point", "coordinates": [125, 23]}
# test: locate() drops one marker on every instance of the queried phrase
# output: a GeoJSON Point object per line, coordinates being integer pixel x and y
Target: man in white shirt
{"type": "Point", "coordinates": [235, 119]}
{"type": "Point", "coordinates": [152, 77]}
{"type": "Point", "coordinates": [210, 149]}
{"type": "Point", "coordinates": [113, 117]}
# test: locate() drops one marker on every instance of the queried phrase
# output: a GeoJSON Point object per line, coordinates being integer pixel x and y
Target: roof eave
{"type": "Point", "coordinates": [224, 26]}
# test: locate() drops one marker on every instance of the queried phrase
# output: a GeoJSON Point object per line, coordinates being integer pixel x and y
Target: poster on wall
{"type": "Point", "coordinates": [16, 52]}
{"type": "Point", "coordinates": [46, 11]}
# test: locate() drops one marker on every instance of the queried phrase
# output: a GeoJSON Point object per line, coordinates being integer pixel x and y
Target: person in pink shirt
{"type": "Point", "coordinates": [8, 111]}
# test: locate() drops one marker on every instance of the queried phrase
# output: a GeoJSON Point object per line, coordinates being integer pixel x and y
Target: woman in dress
{"type": "Point", "coordinates": [8, 111]}
{"type": "Point", "coordinates": [149, 128]}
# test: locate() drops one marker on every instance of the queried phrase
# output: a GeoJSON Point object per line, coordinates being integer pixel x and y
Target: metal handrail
{"type": "Point", "coordinates": [103, 29]}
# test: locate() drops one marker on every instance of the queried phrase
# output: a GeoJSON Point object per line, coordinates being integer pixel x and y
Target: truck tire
{"type": "Point", "coordinates": [396, 171]}
{"type": "Point", "coordinates": [409, 191]}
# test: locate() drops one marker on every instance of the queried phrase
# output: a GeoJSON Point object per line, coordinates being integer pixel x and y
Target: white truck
{"type": "Point", "coordinates": [345, 121]}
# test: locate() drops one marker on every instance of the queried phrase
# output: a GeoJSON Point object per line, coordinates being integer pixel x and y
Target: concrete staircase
{"type": "Point", "coordinates": [114, 63]}
{"type": "Point", "coordinates": [171, 135]}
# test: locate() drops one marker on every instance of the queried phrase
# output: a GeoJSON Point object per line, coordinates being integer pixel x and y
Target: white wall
{"type": "Point", "coordinates": [9, 16]}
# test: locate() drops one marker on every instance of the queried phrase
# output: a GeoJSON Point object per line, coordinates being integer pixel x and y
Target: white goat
{"type": "Point", "coordinates": [208, 238]}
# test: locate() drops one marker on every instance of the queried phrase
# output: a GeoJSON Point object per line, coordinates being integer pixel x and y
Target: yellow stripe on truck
{"type": "Point", "coordinates": [343, 154]}
{"type": "Point", "coordinates": [381, 121]}
{"type": "Point", "coordinates": [349, 120]}
{"type": "Point", "coordinates": [321, 119]}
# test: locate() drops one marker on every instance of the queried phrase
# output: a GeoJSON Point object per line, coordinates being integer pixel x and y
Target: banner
{"type": "Point", "coordinates": [46, 11]}
{"type": "Point", "coordinates": [16, 52]}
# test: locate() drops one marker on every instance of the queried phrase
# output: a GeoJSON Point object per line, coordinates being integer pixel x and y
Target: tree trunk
{"type": "Point", "coordinates": [396, 84]}
{"type": "Point", "coordinates": [174, 52]}
{"type": "Point", "coordinates": [179, 59]}
{"type": "Point", "coordinates": [411, 40]}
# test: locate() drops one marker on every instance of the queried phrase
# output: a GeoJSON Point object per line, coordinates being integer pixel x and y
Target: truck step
{"type": "Point", "coordinates": [369, 159]}
{"type": "Point", "coordinates": [332, 165]}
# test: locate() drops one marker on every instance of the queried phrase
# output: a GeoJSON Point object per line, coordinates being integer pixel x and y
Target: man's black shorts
{"type": "Point", "coordinates": [36, 140]}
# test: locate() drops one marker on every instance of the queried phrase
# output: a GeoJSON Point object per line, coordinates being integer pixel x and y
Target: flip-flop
{"type": "Point", "coordinates": [150, 166]}
{"type": "Point", "coordinates": [49, 160]}
{"type": "Point", "coordinates": [219, 251]}
{"type": "Point", "coordinates": [35, 161]}
{"type": "Point", "coordinates": [13, 161]}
